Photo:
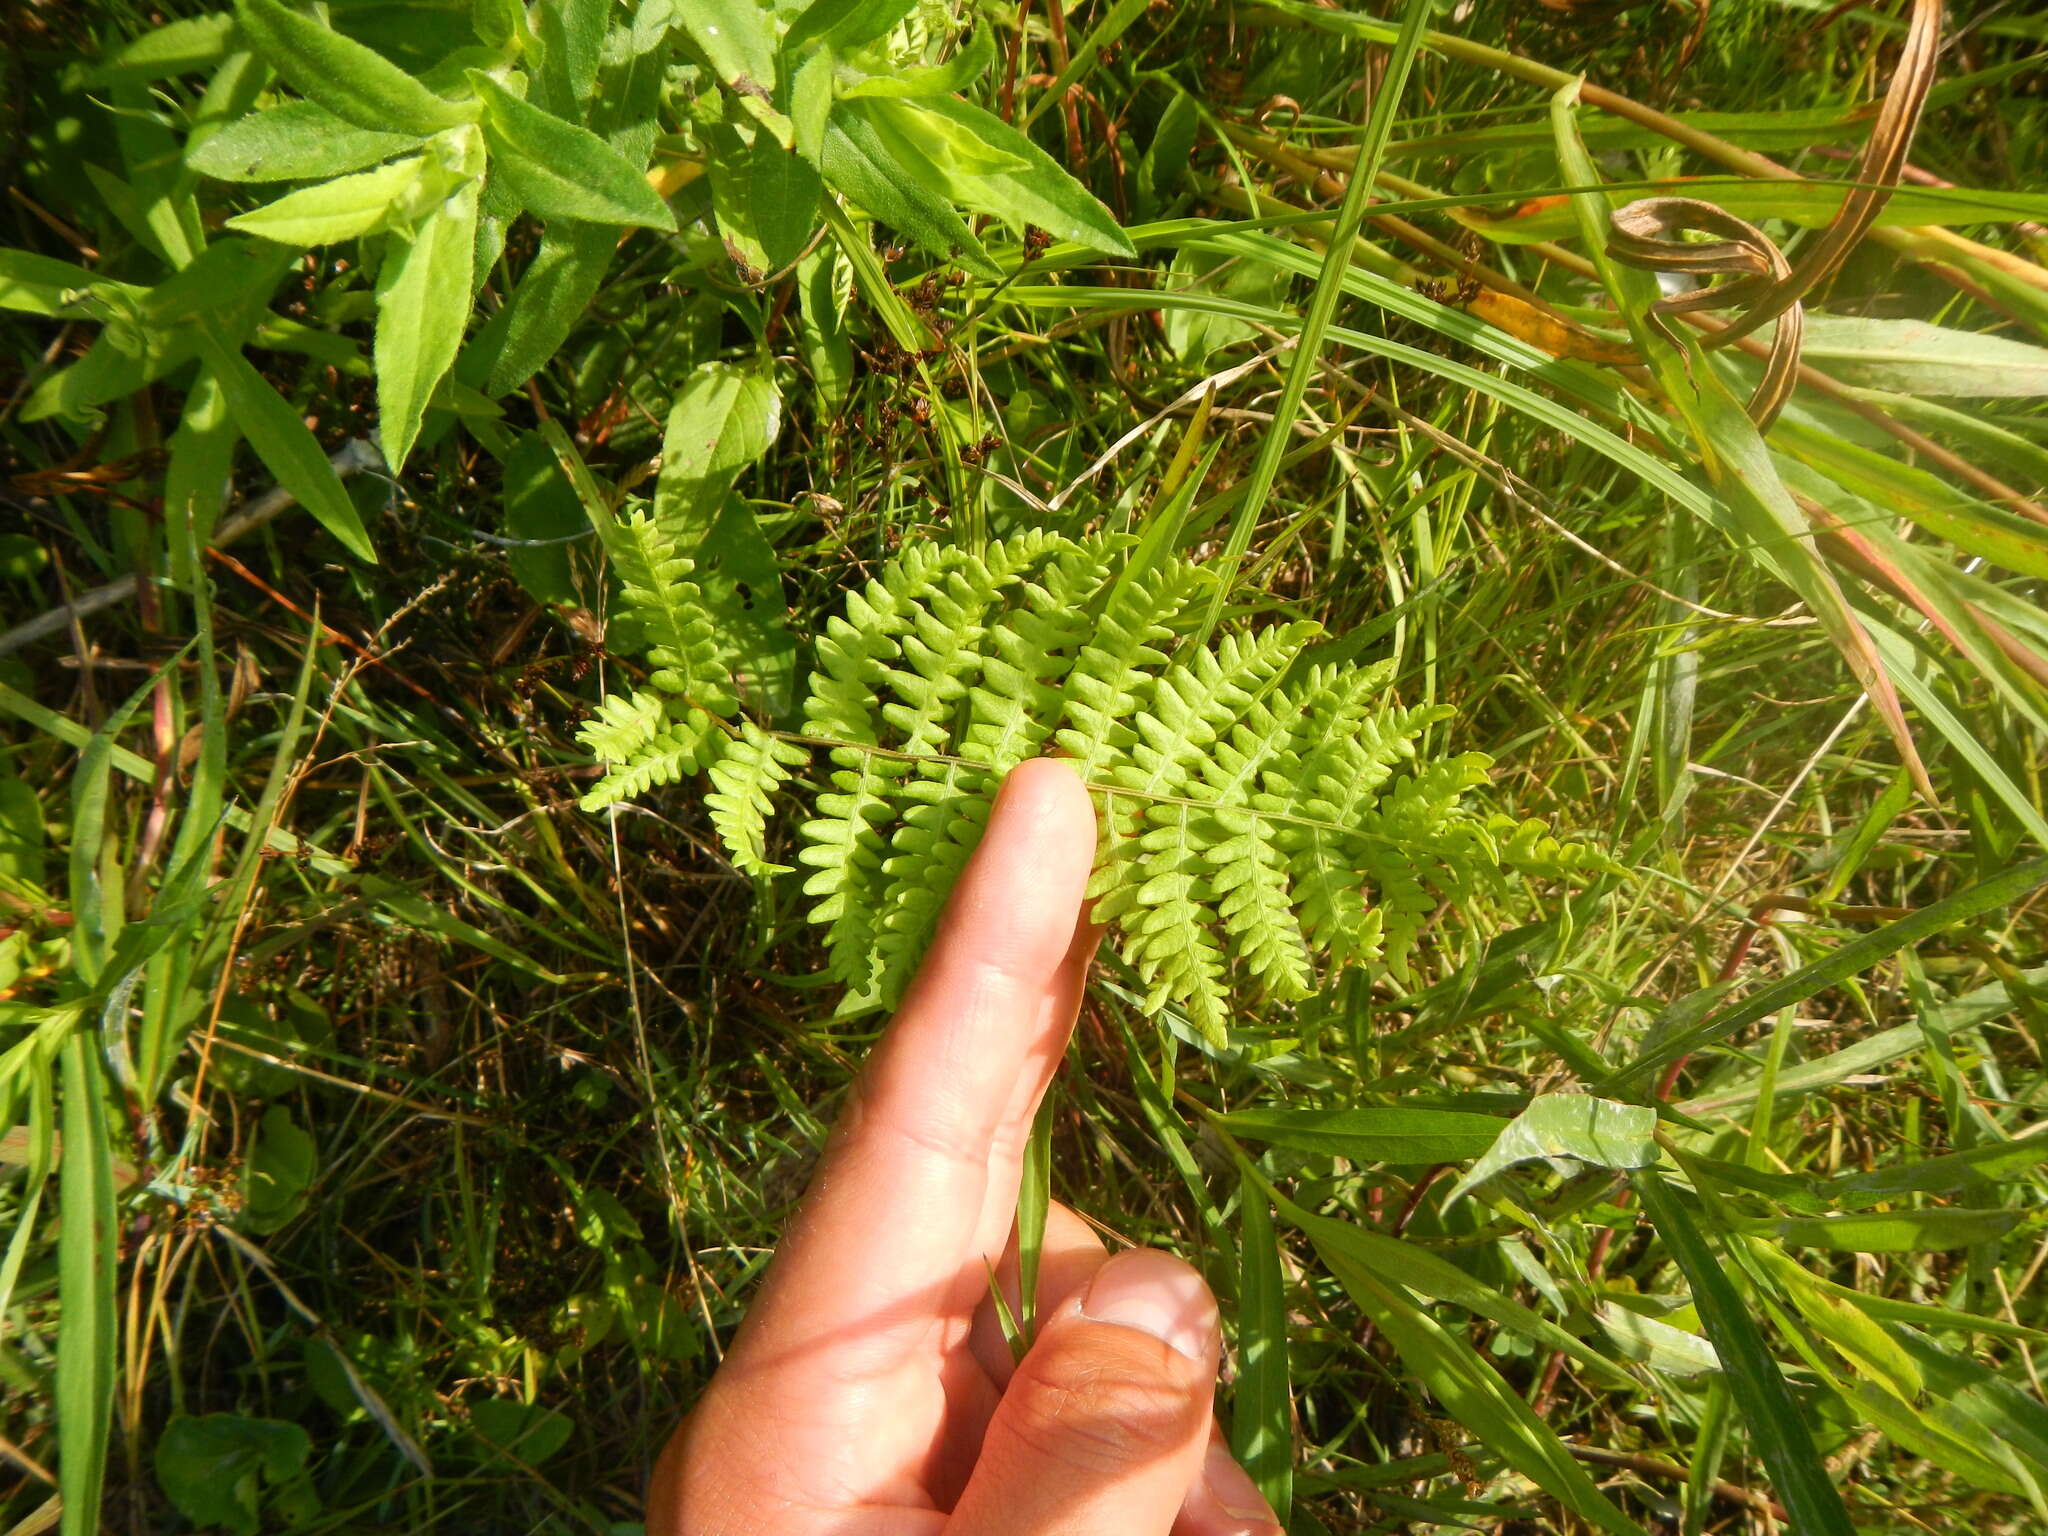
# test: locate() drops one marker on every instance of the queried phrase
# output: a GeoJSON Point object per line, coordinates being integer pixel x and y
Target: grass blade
{"type": "Point", "coordinates": [1777, 1428]}
{"type": "Point", "coordinates": [85, 1288]}
{"type": "Point", "coordinates": [1473, 1393]}
{"type": "Point", "coordinates": [1322, 308]}
{"type": "Point", "coordinates": [1261, 1410]}
{"type": "Point", "coordinates": [1857, 955]}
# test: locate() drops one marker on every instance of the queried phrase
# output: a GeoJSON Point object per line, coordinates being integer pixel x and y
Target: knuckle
{"type": "Point", "coordinates": [1105, 1406]}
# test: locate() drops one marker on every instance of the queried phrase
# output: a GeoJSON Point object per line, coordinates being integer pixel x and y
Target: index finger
{"type": "Point", "coordinates": [893, 1231]}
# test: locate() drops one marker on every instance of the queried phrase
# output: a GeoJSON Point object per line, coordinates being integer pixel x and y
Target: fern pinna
{"type": "Point", "coordinates": [1263, 812]}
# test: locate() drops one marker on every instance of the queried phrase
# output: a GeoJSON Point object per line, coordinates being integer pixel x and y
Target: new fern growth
{"type": "Point", "coordinates": [1264, 815]}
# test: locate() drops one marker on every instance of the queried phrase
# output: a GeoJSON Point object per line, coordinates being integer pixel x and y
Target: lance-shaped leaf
{"type": "Point", "coordinates": [355, 83]}
{"type": "Point", "coordinates": [423, 296]}
{"type": "Point", "coordinates": [340, 209]}
{"type": "Point", "coordinates": [560, 170]}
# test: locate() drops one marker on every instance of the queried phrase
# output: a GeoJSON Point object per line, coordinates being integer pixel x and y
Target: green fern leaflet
{"type": "Point", "coordinates": [1265, 818]}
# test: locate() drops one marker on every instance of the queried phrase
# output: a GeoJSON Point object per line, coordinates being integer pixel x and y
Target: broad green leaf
{"type": "Point", "coordinates": [23, 838]}
{"type": "Point", "coordinates": [543, 519]}
{"type": "Point", "coordinates": [518, 1434]}
{"type": "Point", "coordinates": [1857, 955]}
{"type": "Point", "coordinates": [38, 1155]}
{"type": "Point", "coordinates": [828, 352]}
{"type": "Point", "coordinates": [985, 164]}
{"type": "Point", "coordinates": [1923, 359]}
{"type": "Point", "coordinates": [571, 35]}
{"type": "Point", "coordinates": [1667, 1350]}
{"type": "Point", "coordinates": [214, 1468]}
{"type": "Point", "coordinates": [741, 579]}
{"type": "Point", "coordinates": [920, 133]}
{"type": "Point", "coordinates": [176, 48]}
{"type": "Point", "coordinates": [294, 141]}
{"type": "Point", "coordinates": [810, 105]}
{"type": "Point", "coordinates": [500, 25]}
{"type": "Point", "coordinates": [1034, 1204]}
{"type": "Point", "coordinates": [42, 285]}
{"type": "Point", "coordinates": [1990, 444]}
{"type": "Point", "coordinates": [1945, 1175]}
{"type": "Point", "coordinates": [1574, 1128]}
{"type": "Point", "coordinates": [956, 74]}
{"type": "Point", "coordinates": [550, 299]}
{"type": "Point", "coordinates": [228, 286]}
{"type": "Point", "coordinates": [728, 172]}
{"type": "Point", "coordinates": [98, 908]}
{"type": "Point", "coordinates": [724, 418]}
{"type": "Point", "coordinates": [1393, 1135]}
{"type": "Point", "coordinates": [1933, 1431]}
{"type": "Point", "coordinates": [1840, 475]}
{"type": "Point", "coordinates": [87, 1260]}
{"type": "Point", "coordinates": [783, 190]}
{"type": "Point", "coordinates": [280, 1169]}
{"type": "Point", "coordinates": [285, 444]}
{"type": "Point", "coordinates": [1794, 1275]}
{"type": "Point", "coordinates": [734, 35]}
{"type": "Point", "coordinates": [334, 210]}
{"type": "Point", "coordinates": [1195, 335]}
{"type": "Point", "coordinates": [1777, 1428]}
{"type": "Point", "coordinates": [561, 170]}
{"type": "Point", "coordinates": [844, 24]}
{"type": "Point", "coordinates": [1981, 1398]}
{"type": "Point", "coordinates": [1262, 1406]}
{"type": "Point", "coordinates": [1852, 1332]}
{"type": "Point", "coordinates": [423, 294]}
{"type": "Point", "coordinates": [1932, 1231]}
{"type": "Point", "coordinates": [351, 81]}
{"type": "Point", "coordinates": [858, 163]}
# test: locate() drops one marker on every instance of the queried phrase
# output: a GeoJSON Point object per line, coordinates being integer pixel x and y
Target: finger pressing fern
{"type": "Point", "coordinates": [1264, 817]}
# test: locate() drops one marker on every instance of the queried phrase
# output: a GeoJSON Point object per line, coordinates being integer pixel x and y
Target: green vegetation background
{"type": "Point", "coordinates": [388, 1142]}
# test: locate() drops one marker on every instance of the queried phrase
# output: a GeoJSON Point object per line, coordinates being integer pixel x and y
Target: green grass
{"type": "Point", "coordinates": [352, 1078]}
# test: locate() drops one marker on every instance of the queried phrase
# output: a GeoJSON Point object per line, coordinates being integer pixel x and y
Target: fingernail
{"type": "Point", "coordinates": [1234, 1491]}
{"type": "Point", "coordinates": [1154, 1294]}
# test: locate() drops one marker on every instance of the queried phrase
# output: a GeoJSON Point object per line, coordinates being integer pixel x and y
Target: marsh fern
{"type": "Point", "coordinates": [1265, 817]}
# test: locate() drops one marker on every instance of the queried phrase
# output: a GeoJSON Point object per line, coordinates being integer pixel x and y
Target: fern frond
{"type": "Point", "coordinates": [656, 590]}
{"type": "Point", "coordinates": [745, 772]}
{"type": "Point", "coordinates": [942, 649]}
{"type": "Point", "coordinates": [949, 806]}
{"type": "Point", "coordinates": [672, 753]}
{"type": "Point", "coordinates": [1264, 813]}
{"type": "Point", "coordinates": [1169, 920]}
{"type": "Point", "coordinates": [1016, 706]}
{"type": "Point", "coordinates": [1111, 678]}
{"type": "Point", "coordinates": [1418, 830]}
{"type": "Point", "coordinates": [845, 844]}
{"type": "Point", "coordinates": [625, 723]}
{"type": "Point", "coordinates": [1253, 900]}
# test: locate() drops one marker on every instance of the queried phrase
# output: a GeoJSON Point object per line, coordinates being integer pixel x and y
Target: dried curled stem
{"type": "Point", "coordinates": [1650, 233]}
{"type": "Point", "coordinates": [1765, 286]}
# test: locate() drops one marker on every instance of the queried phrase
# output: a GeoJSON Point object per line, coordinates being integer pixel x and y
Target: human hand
{"type": "Point", "coordinates": [870, 1391]}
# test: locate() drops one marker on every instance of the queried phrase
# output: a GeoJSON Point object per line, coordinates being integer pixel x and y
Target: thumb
{"type": "Point", "coordinates": [1102, 1428]}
